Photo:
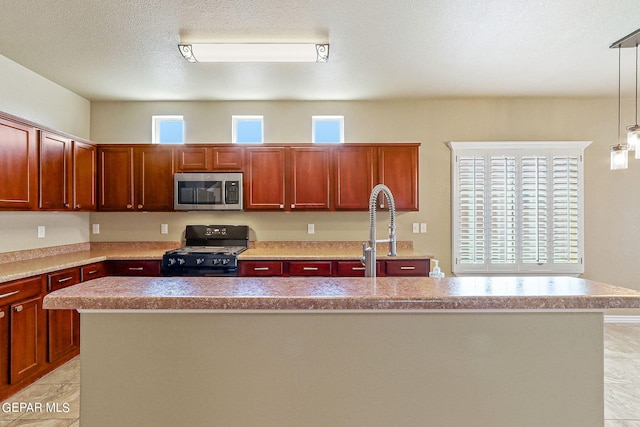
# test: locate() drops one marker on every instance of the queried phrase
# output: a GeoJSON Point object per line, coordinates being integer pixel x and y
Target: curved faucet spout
{"type": "Point", "coordinates": [369, 249]}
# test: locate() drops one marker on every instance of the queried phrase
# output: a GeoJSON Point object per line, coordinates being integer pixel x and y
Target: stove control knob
{"type": "Point", "coordinates": [200, 261]}
{"type": "Point", "coordinates": [181, 261]}
{"type": "Point", "coordinates": [171, 261]}
{"type": "Point", "coordinates": [225, 261]}
{"type": "Point", "coordinates": [216, 261]}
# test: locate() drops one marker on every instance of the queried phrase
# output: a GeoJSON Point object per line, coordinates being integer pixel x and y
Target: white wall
{"type": "Point", "coordinates": [612, 201]}
{"type": "Point", "coordinates": [28, 95]}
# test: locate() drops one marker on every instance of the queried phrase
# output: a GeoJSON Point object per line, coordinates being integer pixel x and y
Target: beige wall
{"type": "Point", "coordinates": [611, 203]}
{"type": "Point", "coordinates": [30, 96]}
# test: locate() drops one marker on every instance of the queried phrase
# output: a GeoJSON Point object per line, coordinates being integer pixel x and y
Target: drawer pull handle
{"type": "Point", "coordinates": [260, 268]}
{"type": "Point", "coordinates": [136, 268]}
{"type": "Point", "coordinates": [92, 272]}
{"type": "Point", "coordinates": [66, 279]}
{"type": "Point", "coordinates": [18, 308]}
{"type": "Point", "coordinates": [407, 267]}
{"type": "Point", "coordinates": [310, 268]}
{"type": "Point", "coordinates": [8, 294]}
{"type": "Point", "coordinates": [357, 268]}
{"type": "Point", "coordinates": [1, 314]}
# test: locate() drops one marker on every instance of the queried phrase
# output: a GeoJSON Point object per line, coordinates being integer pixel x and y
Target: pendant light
{"type": "Point", "coordinates": [619, 152]}
{"type": "Point", "coordinates": [633, 132]}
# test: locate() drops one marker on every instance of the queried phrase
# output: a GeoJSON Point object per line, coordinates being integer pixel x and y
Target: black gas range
{"type": "Point", "coordinates": [210, 250]}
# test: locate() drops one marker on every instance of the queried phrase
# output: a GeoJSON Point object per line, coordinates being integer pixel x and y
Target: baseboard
{"type": "Point", "coordinates": [621, 319]}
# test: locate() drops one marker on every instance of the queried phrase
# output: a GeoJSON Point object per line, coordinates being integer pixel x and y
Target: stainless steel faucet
{"type": "Point", "coordinates": [369, 249]}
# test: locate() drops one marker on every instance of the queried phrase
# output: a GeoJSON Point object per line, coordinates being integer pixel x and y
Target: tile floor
{"type": "Point", "coordinates": [621, 387]}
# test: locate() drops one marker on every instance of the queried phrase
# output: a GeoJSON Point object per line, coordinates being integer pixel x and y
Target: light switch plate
{"type": "Point", "coordinates": [41, 232]}
{"type": "Point", "coordinates": [311, 228]}
{"type": "Point", "coordinates": [96, 228]}
{"type": "Point", "coordinates": [416, 227]}
{"type": "Point", "coordinates": [423, 227]}
{"type": "Point", "coordinates": [164, 228]}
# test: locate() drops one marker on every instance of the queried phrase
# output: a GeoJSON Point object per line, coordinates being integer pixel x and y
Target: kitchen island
{"type": "Point", "coordinates": [342, 351]}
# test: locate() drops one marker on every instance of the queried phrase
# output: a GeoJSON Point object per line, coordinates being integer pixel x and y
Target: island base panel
{"type": "Point", "coordinates": [342, 369]}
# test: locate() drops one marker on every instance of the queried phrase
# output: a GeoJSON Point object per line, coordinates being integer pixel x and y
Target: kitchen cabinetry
{"type": "Point", "coordinates": [207, 158]}
{"type": "Point", "coordinates": [18, 166]}
{"type": "Point", "coordinates": [63, 325]}
{"type": "Point", "coordinates": [133, 268]}
{"type": "Point", "coordinates": [260, 268]}
{"type": "Point", "coordinates": [23, 321]}
{"type": "Point", "coordinates": [85, 172]}
{"type": "Point", "coordinates": [92, 271]}
{"type": "Point", "coordinates": [309, 178]}
{"type": "Point", "coordinates": [409, 267]}
{"type": "Point", "coordinates": [355, 269]}
{"type": "Point", "coordinates": [398, 170]}
{"type": "Point", "coordinates": [136, 178]}
{"type": "Point", "coordinates": [310, 268]}
{"type": "Point", "coordinates": [55, 171]}
{"type": "Point", "coordinates": [354, 177]}
{"type": "Point", "coordinates": [264, 178]}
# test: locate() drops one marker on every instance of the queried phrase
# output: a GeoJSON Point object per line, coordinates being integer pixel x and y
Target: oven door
{"type": "Point", "coordinates": [201, 191]}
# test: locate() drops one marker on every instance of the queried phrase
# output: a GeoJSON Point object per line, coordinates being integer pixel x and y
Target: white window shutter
{"type": "Point", "coordinates": [471, 210]}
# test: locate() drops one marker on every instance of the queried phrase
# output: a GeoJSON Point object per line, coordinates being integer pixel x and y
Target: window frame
{"type": "Point", "coordinates": [338, 118]}
{"type": "Point", "coordinates": [520, 150]}
{"type": "Point", "coordinates": [246, 117]}
{"type": "Point", "coordinates": [156, 121]}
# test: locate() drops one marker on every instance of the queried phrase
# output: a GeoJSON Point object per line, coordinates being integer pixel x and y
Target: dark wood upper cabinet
{"type": "Point", "coordinates": [398, 170]}
{"type": "Point", "coordinates": [264, 178]}
{"type": "Point", "coordinates": [153, 178]}
{"type": "Point", "coordinates": [354, 177]}
{"type": "Point", "coordinates": [85, 172]}
{"type": "Point", "coordinates": [115, 178]}
{"type": "Point", "coordinates": [136, 178]}
{"type": "Point", "coordinates": [309, 178]}
{"type": "Point", "coordinates": [55, 171]}
{"type": "Point", "coordinates": [199, 158]}
{"type": "Point", "coordinates": [18, 166]}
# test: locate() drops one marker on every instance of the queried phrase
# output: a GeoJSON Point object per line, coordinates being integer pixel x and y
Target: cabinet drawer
{"type": "Point", "coordinates": [355, 269]}
{"type": "Point", "coordinates": [310, 268]}
{"type": "Point", "coordinates": [20, 289]}
{"type": "Point", "coordinates": [260, 268]}
{"type": "Point", "coordinates": [92, 271]}
{"type": "Point", "coordinates": [62, 279]}
{"type": "Point", "coordinates": [134, 268]}
{"type": "Point", "coordinates": [414, 267]}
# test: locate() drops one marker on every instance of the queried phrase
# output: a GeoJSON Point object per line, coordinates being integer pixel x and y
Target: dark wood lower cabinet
{"type": "Point", "coordinates": [133, 268]}
{"type": "Point", "coordinates": [63, 325]}
{"type": "Point", "coordinates": [342, 268]}
{"type": "Point", "coordinates": [27, 326]}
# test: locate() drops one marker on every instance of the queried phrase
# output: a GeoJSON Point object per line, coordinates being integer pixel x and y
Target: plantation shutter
{"type": "Point", "coordinates": [517, 211]}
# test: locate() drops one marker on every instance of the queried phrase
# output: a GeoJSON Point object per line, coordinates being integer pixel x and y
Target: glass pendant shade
{"type": "Point", "coordinates": [633, 139]}
{"type": "Point", "coordinates": [619, 157]}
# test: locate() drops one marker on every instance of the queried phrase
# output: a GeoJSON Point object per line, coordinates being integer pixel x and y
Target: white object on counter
{"type": "Point", "coordinates": [436, 273]}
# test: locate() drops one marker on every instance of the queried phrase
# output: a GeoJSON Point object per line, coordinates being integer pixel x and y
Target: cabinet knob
{"type": "Point", "coordinates": [18, 308]}
{"type": "Point", "coordinates": [66, 205]}
{"type": "Point", "coordinates": [129, 206]}
{"type": "Point", "coordinates": [293, 206]}
{"type": "Point", "coordinates": [281, 206]}
{"type": "Point", "coordinates": [139, 206]}
{"type": "Point", "coordinates": [78, 206]}
{"type": "Point", "coordinates": [2, 314]}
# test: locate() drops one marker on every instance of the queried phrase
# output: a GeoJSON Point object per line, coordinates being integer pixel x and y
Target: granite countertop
{"type": "Point", "coordinates": [311, 293]}
{"type": "Point", "coordinates": [23, 264]}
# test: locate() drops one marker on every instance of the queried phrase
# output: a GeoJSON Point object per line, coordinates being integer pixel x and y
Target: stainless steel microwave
{"type": "Point", "coordinates": [208, 191]}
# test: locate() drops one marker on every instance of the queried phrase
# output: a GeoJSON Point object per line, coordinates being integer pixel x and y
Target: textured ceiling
{"type": "Point", "coordinates": [127, 50]}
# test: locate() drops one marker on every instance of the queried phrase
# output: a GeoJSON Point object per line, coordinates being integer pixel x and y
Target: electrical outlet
{"type": "Point", "coordinates": [164, 228]}
{"type": "Point", "coordinates": [41, 232]}
{"type": "Point", "coordinates": [311, 228]}
{"type": "Point", "coordinates": [416, 227]}
{"type": "Point", "coordinates": [96, 228]}
{"type": "Point", "coordinates": [423, 227]}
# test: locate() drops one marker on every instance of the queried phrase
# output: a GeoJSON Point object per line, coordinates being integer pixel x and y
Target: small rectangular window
{"type": "Point", "coordinates": [167, 130]}
{"type": "Point", "coordinates": [247, 129]}
{"type": "Point", "coordinates": [327, 129]}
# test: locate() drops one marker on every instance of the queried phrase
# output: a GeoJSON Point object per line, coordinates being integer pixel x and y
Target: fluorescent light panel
{"type": "Point", "coordinates": [255, 52]}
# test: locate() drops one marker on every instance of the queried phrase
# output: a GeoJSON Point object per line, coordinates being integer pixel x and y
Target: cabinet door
{"type": "Point", "coordinates": [27, 335]}
{"type": "Point", "coordinates": [309, 178]}
{"type": "Point", "coordinates": [84, 176]}
{"type": "Point", "coordinates": [18, 166]}
{"type": "Point", "coordinates": [193, 159]}
{"type": "Point", "coordinates": [415, 267]}
{"type": "Point", "coordinates": [92, 271]}
{"type": "Point", "coordinates": [310, 268]}
{"type": "Point", "coordinates": [154, 178]}
{"type": "Point", "coordinates": [264, 179]}
{"type": "Point", "coordinates": [63, 325]}
{"type": "Point", "coordinates": [354, 177]}
{"type": "Point", "coordinates": [260, 268]}
{"type": "Point", "coordinates": [55, 171]}
{"type": "Point", "coordinates": [116, 178]}
{"type": "Point", "coordinates": [398, 170]}
{"type": "Point", "coordinates": [133, 268]}
{"type": "Point", "coordinates": [4, 347]}
{"type": "Point", "coordinates": [227, 158]}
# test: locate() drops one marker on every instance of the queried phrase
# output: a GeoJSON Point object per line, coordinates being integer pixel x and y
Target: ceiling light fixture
{"type": "Point", "coordinates": [620, 151]}
{"type": "Point", "coordinates": [255, 52]}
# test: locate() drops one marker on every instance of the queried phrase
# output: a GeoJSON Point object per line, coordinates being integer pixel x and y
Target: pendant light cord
{"type": "Point", "coordinates": [619, 91]}
{"type": "Point", "coordinates": [636, 85]}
